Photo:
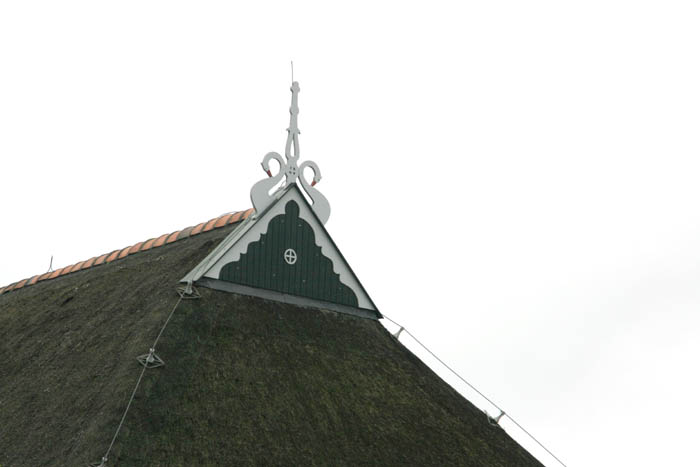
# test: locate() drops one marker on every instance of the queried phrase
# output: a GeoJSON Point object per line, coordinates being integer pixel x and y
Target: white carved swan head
{"type": "Point", "coordinates": [320, 204]}
{"type": "Point", "coordinates": [266, 162]}
{"type": "Point", "coordinates": [317, 172]}
{"type": "Point", "coordinates": [260, 192]}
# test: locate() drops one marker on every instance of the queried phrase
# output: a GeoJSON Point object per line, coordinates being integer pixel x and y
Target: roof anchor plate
{"type": "Point", "coordinates": [497, 420]}
{"type": "Point", "coordinates": [188, 291]}
{"type": "Point", "coordinates": [150, 360]}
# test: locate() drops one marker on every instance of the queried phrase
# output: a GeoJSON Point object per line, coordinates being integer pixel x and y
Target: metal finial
{"type": "Point", "coordinates": [293, 135]}
{"type": "Point", "coordinates": [260, 193]}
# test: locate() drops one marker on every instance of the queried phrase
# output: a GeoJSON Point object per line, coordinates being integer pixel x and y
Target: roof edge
{"type": "Point", "coordinates": [165, 239]}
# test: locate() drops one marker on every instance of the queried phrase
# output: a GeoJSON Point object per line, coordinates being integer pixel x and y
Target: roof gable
{"type": "Point", "coordinates": [283, 253]}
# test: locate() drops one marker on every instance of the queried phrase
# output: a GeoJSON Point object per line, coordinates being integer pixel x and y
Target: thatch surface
{"type": "Point", "coordinates": [247, 381]}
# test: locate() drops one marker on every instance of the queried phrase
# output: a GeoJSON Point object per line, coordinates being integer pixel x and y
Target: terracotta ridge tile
{"type": "Point", "coordinates": [100, 259]}
{"type": "Point", "coordinates": [148, 245]}
{"type": "Point", "coordinates": [77, 266]}
{"type": "Point", "coordinates": [172, 237]}
{"type": "Point", "coordinates": [135, 248]}
{"type": "Point", "coordinates": [184, 233]}
{"type": "Point", "coordinates": [123, 252]}
{"type": "Point", "coordinates": [160, 240]}
{"type": "Point", "coordinates": [210, 225]}
{"type": "Point", "coordinates": [112, 256]}
{"type": "Point", "coordinates": [235, 217]}
{"type": "Point", "coordinates": [54, 274]}
{"type": "Point", "coordinates": [45, 275]}
{"type": "Point", "coordinates": [223, 220]}
{"type": "Point", "coordinates": [197, 229]}
{"type": "Point", "coordinates": [89, 263]}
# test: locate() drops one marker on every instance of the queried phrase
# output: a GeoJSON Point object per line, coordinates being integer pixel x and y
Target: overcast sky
{"type": "Point", "coordinates": [514, 182]}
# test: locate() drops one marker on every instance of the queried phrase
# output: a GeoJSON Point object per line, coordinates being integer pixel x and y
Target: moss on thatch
{"type": "Point", "coordinates": [247, 381]}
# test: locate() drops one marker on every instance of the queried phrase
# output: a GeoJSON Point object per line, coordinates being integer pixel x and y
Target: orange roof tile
{"type": "Point", "coordinates": [172, 237]}
{"type": "Point", "coordinates": [222, 221]}
{"type": "Point", "coordinates": [112, 256]}
{"type": "Point", "coordinates": [184, 233]}
{"type": "Point", "coordinates": [148, 245]}
{"type": "Point", "coordinates": [135, 248]}
{"type": "Point", "coordinates": [209, 226]}
{"type": "Point", "coordinates": [101, 259]}
{"type": "Point", "coordinates": [124, 252]}
{"type": "Point", "coordinates": [197, 229]}
{"type": "Point", "coordinates": [215, 223]}
{"type": "Point", "coordinates": [77, 266]}
{"type": "Point", "coordinates": [160, 241]}
{"type": "Point", "coordinates": [54, 274]}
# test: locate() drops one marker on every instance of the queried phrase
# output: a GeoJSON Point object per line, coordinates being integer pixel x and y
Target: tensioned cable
{"type": "Point", "coordinates": [138, 382]}
{"type": "Point", "coordinates": [503, 412]}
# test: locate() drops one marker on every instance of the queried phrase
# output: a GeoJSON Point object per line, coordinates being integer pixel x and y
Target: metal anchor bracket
{"type": "Point", "coordinates": [188, 291]}
{"type": "Point", "coordinates": [495, 421]}
{"type": "Point", "coordinates": [150, 360]}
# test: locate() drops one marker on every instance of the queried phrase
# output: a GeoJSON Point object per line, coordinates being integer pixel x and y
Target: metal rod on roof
{"type": "Point", "coordinates": [50, 264]}
{"type": "Point", "coordinates": [502, 414]}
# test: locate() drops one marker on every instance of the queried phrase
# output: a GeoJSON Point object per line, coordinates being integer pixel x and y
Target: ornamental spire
{"type": "Point", "coordinates": [293, 172]}
{"type": "Point", "coordinates": [293, 130]}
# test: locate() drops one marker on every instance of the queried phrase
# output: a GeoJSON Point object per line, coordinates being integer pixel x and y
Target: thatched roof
{"type": "Point", "coordinates": [246, 381]}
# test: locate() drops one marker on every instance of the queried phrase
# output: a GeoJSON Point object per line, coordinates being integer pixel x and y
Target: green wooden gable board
{"type": "Point", "coordinates": [286, 254]}
{"type": "Point", "coordinates": [287, 259]}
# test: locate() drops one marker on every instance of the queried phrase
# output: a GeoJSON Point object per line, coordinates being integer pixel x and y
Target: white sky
{"type": "Point", "coordinates": [515, 182]}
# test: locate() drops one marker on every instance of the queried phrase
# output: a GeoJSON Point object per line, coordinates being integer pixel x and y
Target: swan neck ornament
{"type": "Point", "coordinates": [260, 192]}
{"type": "Point", "coordinates": [293, 172]}
{"type": "Point", "coordinates": [320, 205]}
